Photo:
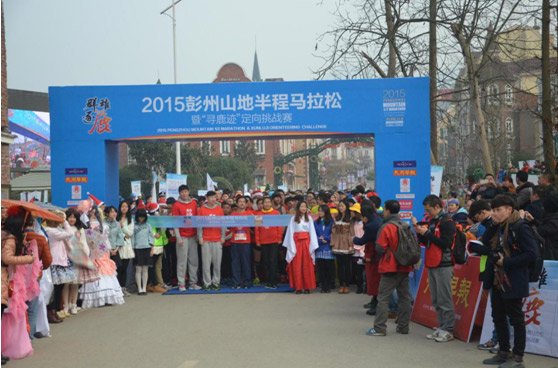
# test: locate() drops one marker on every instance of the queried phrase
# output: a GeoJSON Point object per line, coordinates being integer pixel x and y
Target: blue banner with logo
{"type": "Point", "coordinates": [218, 221]}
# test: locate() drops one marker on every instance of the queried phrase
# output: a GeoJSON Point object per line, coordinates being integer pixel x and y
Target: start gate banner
{"type": "Point", "coordinates": [466, 289]}
{"type": "Point", "coordinates": [541, 314]}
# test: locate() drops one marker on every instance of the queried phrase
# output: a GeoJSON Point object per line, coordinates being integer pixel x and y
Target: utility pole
{"type": "Point", "coordinates": [548, 143]}
{"type": "Point", "coordinates": [173, 17]}
{"type": "Point", "coordinates": [432, 64]}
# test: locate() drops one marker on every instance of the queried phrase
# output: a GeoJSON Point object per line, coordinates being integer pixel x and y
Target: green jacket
{"type": "Point", "coordinates": [163, 240]}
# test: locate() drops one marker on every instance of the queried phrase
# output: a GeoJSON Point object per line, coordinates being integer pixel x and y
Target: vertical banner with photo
{"type": "Point", "coordinates": [136, 187]}
{"type": "Point", "coordinates": [173, 182]}
{"type": "Point", "coordinates": [436, 173]}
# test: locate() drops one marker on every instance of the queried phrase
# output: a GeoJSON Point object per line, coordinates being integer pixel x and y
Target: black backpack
{"type": "Point", "coordinates": [408, 248]}
{"type": "Point", "coordinates": [536, 266]}
{"type": "Point", "coordinates": [459, 246]}
{"type": "Point", "coordinates": [458, 249]}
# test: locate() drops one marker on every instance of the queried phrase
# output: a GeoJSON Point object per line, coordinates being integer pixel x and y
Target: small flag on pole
{"type": "Point", "coordinates": [210, 183]}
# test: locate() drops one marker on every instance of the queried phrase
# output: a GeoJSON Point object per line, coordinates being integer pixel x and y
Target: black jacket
{"type": "Point", "coordinates": [370, 232]}
{"type": "Point", "coordinates": [444, 241]}
{"type": "Point", "coordinates": [548, 229]}
{"type": "Point", "coordinates": [523, 251]}
{"type": "Point", "coordinates": [535, 209]}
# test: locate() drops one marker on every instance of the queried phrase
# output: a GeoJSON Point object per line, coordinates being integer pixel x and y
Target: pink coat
{"type": "Point", "coordinates": [358, 229]}
{"type": "Point", "coordinates": [57, 238]}
{"type": "Point", "coordinates": [9, 258]}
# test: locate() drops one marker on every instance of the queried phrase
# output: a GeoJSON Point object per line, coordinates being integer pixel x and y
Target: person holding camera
{"type": "Point", "coordinates": [510, 246]}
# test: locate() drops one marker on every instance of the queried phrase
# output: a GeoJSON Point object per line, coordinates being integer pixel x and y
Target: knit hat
{"type": "Point", "coordinates": [98, 202]}
{"type": "Point", "coordinates": [453, 201]}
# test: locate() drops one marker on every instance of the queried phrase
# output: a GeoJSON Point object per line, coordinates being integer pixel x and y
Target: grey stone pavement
{"type": "Point", "coordinates": [247, 330]}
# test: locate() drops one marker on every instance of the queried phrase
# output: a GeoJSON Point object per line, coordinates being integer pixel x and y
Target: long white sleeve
{"type": "Point", "coordinates": [289, 242]}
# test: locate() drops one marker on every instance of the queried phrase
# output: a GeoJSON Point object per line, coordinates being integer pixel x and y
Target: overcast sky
{"type": "Point", "coordinates": [60, 43]}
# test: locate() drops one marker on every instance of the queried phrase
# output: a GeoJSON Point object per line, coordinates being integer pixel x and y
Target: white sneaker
{"type": "Point", "coordinates": [73, 310]}
{"type": "Point", "coordinates": [434, 335]}
{"type": "Point", "coordinates": [182, 288]}
{"type": "Point", "coordinates": [195, 287]}
{"type": "Point", "coordinates": [444, 336]}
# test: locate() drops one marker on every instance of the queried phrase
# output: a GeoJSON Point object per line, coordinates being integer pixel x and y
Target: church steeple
{"type": "Point", "coordinates": [256, 77]}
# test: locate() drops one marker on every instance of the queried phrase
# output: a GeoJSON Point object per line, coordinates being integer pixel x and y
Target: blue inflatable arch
{"type": "Point", "coordinates": [87, 122]}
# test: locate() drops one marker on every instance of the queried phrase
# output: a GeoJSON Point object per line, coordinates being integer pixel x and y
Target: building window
{"type": "Point", "coordinates": [509, 95]}
{"type": "Point", "coordinates": [225, 147]}
{"type": "Point", "coordinates": [509, 127]}
{"type": "Point", "coordinates": [205, 147]}
{"type": "Point", "coordinates": [259, 145]}
{"type": "Point", "coordinates": [494, 98]}
{"type": "Point", "coordinates": [131, 159]}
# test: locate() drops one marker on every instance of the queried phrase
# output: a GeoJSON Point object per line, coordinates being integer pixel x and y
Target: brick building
{"type": "Point", "coordinates": [510, 92]}
{"type": "Point", "coordinates": [267, 148]}
{"type": "Point", "coordinates": [7, 137]}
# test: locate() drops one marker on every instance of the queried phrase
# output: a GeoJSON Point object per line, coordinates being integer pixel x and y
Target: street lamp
{"type": "Point", "coordinates": [178, 159]}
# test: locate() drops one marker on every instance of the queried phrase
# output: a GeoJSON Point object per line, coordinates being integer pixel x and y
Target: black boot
{"type": "Point", "coordinates": [373, 305]}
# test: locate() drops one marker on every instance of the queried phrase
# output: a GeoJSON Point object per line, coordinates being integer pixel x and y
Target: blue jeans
{"type": "Point", "coordinates": [394, 303]}
{"type": "Point", "coordinates": [240, 256]}
{"type": "Point", "coordinates": [32, 312]}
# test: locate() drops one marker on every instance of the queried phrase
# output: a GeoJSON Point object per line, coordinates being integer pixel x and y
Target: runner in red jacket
{"type": "Point", "coordinates": [269, 238]}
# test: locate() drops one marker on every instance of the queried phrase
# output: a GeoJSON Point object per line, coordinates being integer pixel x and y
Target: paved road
{"type": "Point", "coordinates": [247, 330]}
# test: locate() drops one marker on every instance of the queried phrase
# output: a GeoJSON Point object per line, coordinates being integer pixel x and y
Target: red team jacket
{"type": "Point", "coordinates": [186, 209]}
{"type": "Point", "coordinates": [268, 234]}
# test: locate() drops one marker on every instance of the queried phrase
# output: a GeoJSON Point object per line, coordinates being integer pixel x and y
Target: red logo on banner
{"type": "Point", "coordinates": [466, 289]}
{"type": "Point", "coordinates": [405, 204]}
{"type": "Point", "coordinates": [405, 215]}
{"type": "Point", "coordinates": [406, 172]}
{"type": "Point", "coordinates": [76, 179]}
{"type": "Point", "coordinates": [531, 307]}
